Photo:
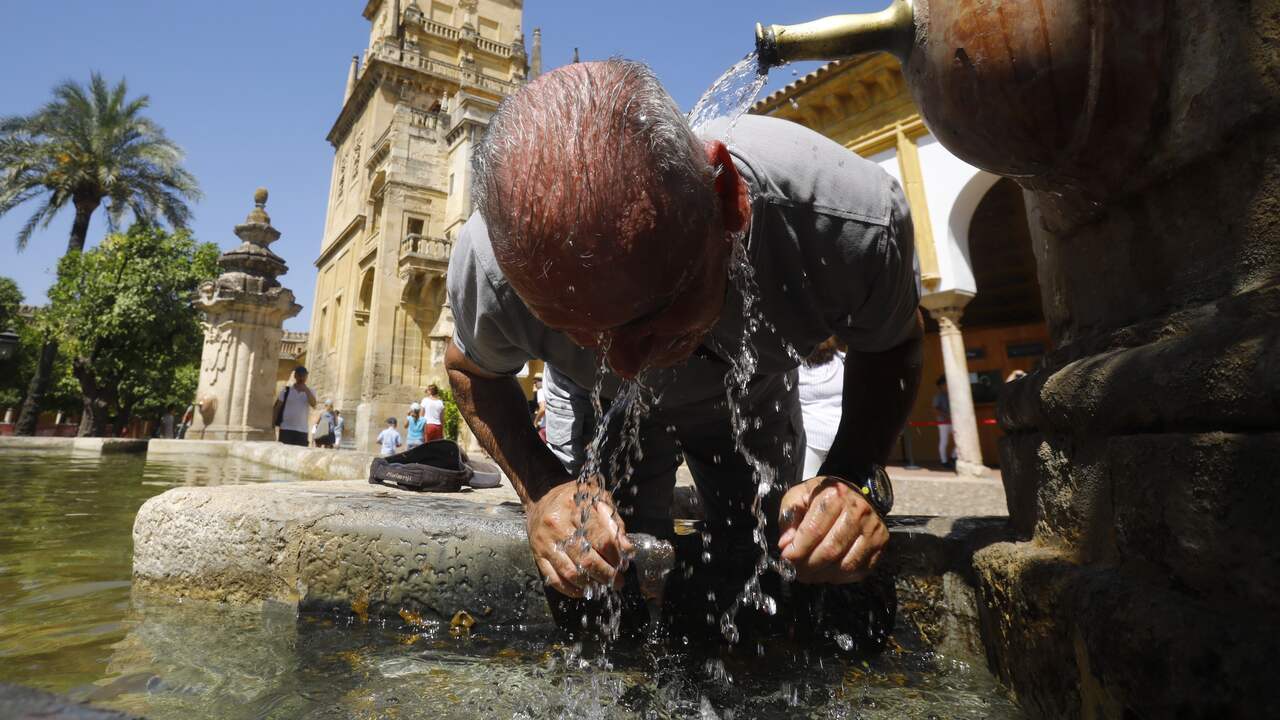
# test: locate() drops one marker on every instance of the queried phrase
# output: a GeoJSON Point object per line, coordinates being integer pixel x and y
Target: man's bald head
{"type": "Point", "coordinates": [598, 197]}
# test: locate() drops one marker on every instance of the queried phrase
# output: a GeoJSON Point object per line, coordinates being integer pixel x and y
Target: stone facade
{"type": "Point", "coordinates": [244, 313]}
{"type": "Point", "coordinates": [415, 105]}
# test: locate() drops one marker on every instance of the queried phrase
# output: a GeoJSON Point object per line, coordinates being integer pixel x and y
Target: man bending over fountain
{"type": "Point", "coordinates": [607, 229]}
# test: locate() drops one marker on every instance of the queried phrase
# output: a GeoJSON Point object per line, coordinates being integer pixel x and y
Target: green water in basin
{"type": "Point", "coordinates": [68, 624]}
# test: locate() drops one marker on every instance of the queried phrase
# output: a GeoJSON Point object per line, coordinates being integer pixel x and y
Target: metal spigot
{"type": "Point", "coordinates": [653, 560]}
{"type": "Point", "coordinates": [839, 36]}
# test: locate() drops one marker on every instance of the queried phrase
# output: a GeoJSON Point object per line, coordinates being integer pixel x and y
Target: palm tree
{"type": "Point", "coordinates": [85, 146]}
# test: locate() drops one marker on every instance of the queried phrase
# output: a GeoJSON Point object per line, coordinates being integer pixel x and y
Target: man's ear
{"type": "Point", "coordinates": [730, 188]}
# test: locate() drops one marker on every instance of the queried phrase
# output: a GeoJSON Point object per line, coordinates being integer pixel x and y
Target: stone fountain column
{"type": "Point", "coordinates": [1140, 461]}
{"type": "Point", "coordinates": [244, 313]}
{"type": "Point", "coordinates": [947, 308]}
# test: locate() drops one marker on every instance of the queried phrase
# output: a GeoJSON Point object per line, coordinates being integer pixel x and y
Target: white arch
{"type": "Point", "coordinates": [959, 220]}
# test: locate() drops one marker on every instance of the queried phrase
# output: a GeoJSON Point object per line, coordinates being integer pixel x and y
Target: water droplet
{"type": "Point", "coordinates": [728, 629]}
{"type": "Point", "coordinates": [844, 641]}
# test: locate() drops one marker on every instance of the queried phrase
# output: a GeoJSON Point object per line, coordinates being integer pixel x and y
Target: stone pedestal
{"type": "Point", "coordinates": [947, 308]}
{"type": "Point", "coordinates": [1140, 462]}
{"type": "Point", "coordinates": [244, 312]}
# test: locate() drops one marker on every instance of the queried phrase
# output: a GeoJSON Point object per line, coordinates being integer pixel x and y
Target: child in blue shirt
{"type": "Point", "coordinates": [389, 439]}
{"type": "Point", "coordinates": [415, 425]}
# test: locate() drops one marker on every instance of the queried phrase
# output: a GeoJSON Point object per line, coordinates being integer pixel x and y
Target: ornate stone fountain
{"type": "Point", "coordinates": [244, 313]}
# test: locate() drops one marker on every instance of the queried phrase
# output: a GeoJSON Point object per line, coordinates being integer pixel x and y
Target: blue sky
{"type": "Point", "coordinates": [249, 88]}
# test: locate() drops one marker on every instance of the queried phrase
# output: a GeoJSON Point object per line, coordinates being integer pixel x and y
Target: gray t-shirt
{"type": "Point", "coordinates": [830, 242]}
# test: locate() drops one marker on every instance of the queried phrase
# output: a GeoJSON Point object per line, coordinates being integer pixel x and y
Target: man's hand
{"type": "Point", "coordinates": [568, 561]}
{"type": "Point", "coordinates": [829, 532]}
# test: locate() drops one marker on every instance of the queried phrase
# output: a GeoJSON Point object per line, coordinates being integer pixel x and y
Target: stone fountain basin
{"type": "Point", "coordinates": [373, 550]}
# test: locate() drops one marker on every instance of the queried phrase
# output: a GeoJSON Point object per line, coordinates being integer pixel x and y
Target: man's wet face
{"type": "Point", "coordinates": [662, 332]}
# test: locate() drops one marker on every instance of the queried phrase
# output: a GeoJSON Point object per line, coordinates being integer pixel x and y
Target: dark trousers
{"type": "Point", "coordinates": [714, 564]}
{"type": "Point", "coordinates": [703, 437]}
{"type": "Point", "coordinates": [293, 437]}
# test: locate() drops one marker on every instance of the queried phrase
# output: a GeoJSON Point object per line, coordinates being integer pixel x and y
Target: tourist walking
{"type": "Point", "coordinates": [821, 381]}
{"type": "Point", "coordinates": [292, 407]}
{"type": "Point", "coordinates": [433, 412]}
{"type": "Point", "coordinates": [389, 439]}
{"type": "Point", "coordinates": [337, 428]}
{"type": "Point", "coordinates": [942, 411]}
{"type": "Point", "coordinates": [415, 426]}
{"type": "Point", "coordinates": [325, 434]}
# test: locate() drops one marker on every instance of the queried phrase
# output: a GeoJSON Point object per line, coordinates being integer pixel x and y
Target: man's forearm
{"type": "Point", "coordinates": [496, 411]}
{"type": "Point", "coordinates": [879, 390]}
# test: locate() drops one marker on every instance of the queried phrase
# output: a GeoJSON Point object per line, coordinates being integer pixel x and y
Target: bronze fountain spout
{"type": "Point", "coordinates": [1048, 92]}
{"type": "Point", "coordinates": [839, 36]}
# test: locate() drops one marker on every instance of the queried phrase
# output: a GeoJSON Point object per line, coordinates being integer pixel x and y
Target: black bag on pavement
{"type": "Point", "coordinates": [436, 466]}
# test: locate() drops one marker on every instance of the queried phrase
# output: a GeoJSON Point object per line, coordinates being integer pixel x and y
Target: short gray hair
{"type": "Point", "coordinates": [608, 125]}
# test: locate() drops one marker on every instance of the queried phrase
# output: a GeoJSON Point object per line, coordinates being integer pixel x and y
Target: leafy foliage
{"type": "Point", "coordinates": [452, 418]}
{"type": "Point", "coordinates": [10, 300]}
{"type": "Point", "coordinates": [122, 312]}
{"type": "Point", "coordinates": [87, 145]}
{"type": "Point", "coordinates": [15, 374]}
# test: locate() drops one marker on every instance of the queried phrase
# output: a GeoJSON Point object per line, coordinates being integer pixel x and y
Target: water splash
{"type": "Point", "coordinates": [743, 363]}
{"type": "Point", "coordinates": [732, 94]}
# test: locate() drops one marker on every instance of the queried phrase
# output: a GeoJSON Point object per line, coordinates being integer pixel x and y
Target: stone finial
{"type": "Point", "coordinates": [258, 215]}
{"type": "Point", "coordinates": [252, 265]}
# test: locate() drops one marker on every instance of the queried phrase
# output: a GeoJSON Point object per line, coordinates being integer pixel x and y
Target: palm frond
{"type": "Point", "coordinates": [41, 216]}
{"type": "Point", "coordinates": [90, 143]}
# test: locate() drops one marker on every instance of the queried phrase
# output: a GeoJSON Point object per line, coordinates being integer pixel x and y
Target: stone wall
{"type": "Point", "coordinates": [1140, 465]}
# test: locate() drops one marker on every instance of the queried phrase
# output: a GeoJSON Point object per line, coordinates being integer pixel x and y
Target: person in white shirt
{"type": "Point", "coordinates": [389, 439]}
{"type": "Point", "coordinates": [540, 407]}
{"type": "Point", "coordinates": [821, 385]}
{"type": "Point", "coordinates": [337, 429]}
{"type": "Point", "coordinates": [292, 407]}
{"type": "Point", "coordinates": [433, 412]}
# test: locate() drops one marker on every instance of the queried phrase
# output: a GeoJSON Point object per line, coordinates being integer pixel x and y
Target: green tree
{"type": "Point", "coordinates": [10, 300]}
{"type": "Point", "coordinates": [15, 376]}
{"type": "Point", "coordinates": [122, 313]}
{"type": "Point", "coordinates": [85, 146]}
{"type": "Point", "coordinates": [452, 417]}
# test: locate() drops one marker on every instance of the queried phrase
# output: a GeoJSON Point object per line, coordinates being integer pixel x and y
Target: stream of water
{"type": "Point", "coordinates": [732, 94]}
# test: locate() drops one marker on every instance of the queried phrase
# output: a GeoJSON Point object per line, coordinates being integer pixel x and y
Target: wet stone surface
{"type": "Point", "coordinates": [366, 548]}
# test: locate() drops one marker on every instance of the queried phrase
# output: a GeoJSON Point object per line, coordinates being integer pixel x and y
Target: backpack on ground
{"type": "Point", "coordinates": [436, 466]}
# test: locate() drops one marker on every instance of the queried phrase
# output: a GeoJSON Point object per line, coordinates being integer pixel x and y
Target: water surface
{"type": "Point", "coordinates": [68, 624]}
